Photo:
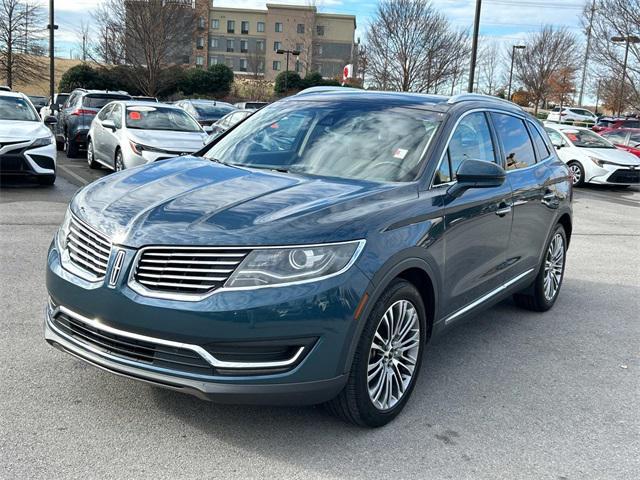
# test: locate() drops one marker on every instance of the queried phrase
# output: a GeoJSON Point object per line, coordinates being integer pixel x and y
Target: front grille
{"type": "Point", "coordinates": [186, 270]}
{"type": "Point", "coordinates": [625, 176]}
{"type": "Point", "coordinates": [88, 249]}
{"type": "Point", "coordinates": [157, 355]}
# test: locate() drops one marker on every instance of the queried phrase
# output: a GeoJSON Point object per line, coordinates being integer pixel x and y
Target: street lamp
{"type": "Point", "coordinates": [513, 54]}
{"type": "Point", "coordinates": [629, 39]}
{"type": "Point", "coordinates": [280, 51]}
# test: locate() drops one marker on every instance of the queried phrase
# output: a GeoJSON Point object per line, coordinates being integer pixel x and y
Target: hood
{"type": "Point", "coordinates": [12, 130]}
{"type": "Point", "coordinates": [616, 155]}
{"type": "Point", "coordinates": [194, 201]}
{"type": "Point", "coordinates": [187, 142]}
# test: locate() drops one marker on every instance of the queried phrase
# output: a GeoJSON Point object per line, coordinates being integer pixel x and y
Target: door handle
{"type": "Point", "coordinates": [503, 209]}
{"type": "Point", "coordinates": [550, 197]}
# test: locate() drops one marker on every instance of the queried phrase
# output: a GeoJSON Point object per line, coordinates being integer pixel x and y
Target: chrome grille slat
{"type": "Point", "coordinates": [185, 270]}
{"type": "Point", "coordinates": [88, 249]}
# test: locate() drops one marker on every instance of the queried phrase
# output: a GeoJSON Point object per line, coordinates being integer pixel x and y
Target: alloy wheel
{"type": "Point", "coordinates": [554, 267]}
{"type": "Point", "coordinates": [576, 173]}
{"type": "Point", "coordinates": [119, 162]}
{"type": "Point", "coordinates": [90, 153]}
{"type": "Point", "coordinates": [393, 355]}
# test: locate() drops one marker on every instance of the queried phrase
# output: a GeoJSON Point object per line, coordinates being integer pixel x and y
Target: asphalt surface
{"type": "Point", "coordinates": [508, 395]}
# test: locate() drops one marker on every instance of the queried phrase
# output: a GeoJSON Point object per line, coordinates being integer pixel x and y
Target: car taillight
{"type": "Point", "coordinates": [82, 111]}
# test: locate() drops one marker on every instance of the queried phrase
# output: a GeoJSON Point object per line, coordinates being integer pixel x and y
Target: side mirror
{"type": "Point", "coordinates": [558, 145]}
{"type": "Point", "coordinates": [109, 124]}
{"type": "Point", "coordinates": [477, 174]}
{"type": "Point", "coordinates": [50, 120]}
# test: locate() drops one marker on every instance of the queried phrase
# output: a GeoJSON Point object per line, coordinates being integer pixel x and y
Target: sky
{"type": "Point", "coordinates": [506, 21]}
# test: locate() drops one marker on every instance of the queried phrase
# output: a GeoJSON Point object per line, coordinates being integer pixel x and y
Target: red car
{"type": "Point", "coordinates": [608, 124]}
{"type": "Point", "coordinates": [626, 138]}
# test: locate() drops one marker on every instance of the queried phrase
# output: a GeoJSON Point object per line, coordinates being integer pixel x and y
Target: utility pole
{"type": "Point", "coordinates": [513, 54]}
{"type": "Point", "coordinates": [52, 69]}
{"type": "Point", "coordinates": [474, 46]}
{"type": "Point", "coordinates": [586, 52]}
{"type": "Point", "coordinates": [286, 72]}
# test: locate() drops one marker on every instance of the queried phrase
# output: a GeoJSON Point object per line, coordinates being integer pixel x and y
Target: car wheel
{"type": "Point", "coordinates": [577, 173]}
{"type": "Point", "coordinates": [542, 294]}
{"type": "Point", "coordinates": [59, 145]}
{"type": "Point", "coordinates": [118, 162]}
{"type": "Point", "coordinates": [47, 179]}
{"type": "Point", "coordinates": [91, 156]}
{"type": "Point", "coordinates": [387, 360]}
{"type": "Point", "coordinates": [70, 148]}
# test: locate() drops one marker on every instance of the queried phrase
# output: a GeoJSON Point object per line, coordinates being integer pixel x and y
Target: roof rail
{"type": "Point", "coordinates": [326, 89]}
{"type": "Point", "coordinates": [479, 96]}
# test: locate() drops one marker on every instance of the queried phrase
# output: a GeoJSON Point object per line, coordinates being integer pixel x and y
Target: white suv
{"type": "Point", "coordinates": [571, 114]}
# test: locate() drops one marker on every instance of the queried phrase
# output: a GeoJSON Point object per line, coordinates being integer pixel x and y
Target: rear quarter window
{"type": "Point", "coordinates": [99, 101]}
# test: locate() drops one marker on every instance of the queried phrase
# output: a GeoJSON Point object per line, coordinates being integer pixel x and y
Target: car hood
{"type": "Point", "coordinates": [616, 155]}
{"type": "Point", "coordinates": [187, 142]}
{"type": "Point", "coordinates": [194, 201]}
{"type": "Point", "coordinates": [12, 130]}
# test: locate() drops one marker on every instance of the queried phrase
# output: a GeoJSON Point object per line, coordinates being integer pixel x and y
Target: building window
{"type": "Point", "coordinates": [215, 24]}
{"type": "Point", "coordinates": [231, 26]}
{"type": "Point", "coordinates": [260, 26]}
{"type": "Point", "coordinates": [230, 63]}
{"type": "Point", "coordinates": [260, 45]}
{"type": "Point", "coordinates": [299, 47]}
{"type": "Point", "coordinates": [199, 60]}
{"type": "Point", "coordinates": [320, 30]}
{"type": "Point", "coordinates": [277, 46]}
{"type": "Point", "coordinates": [213, 60]}
{"type": "Point", "coordinates": [319, 49]}
{"type": "Point", "coordinates": [202, 23]}
{"type": "Point", "coordinates": [261, 65]}
{"type": "Point", "coordinates": [278, 27]}
{"type": "Point", "coordinates": [301, 28]}
{"type": "Point", "coordinates": [243, 64]}
{"type": "Point", "coordinates": [244, 27]}
{"type": "Point", "coordinates": [229, 45]}
{"type": "Point", "coordinates": [200, 42]}
{"type": "Point", "coordinates": [244, 46]}
{"type": "Point", "coordinates": [214, 43]}
{"type": "Point", "coordinates": [276, 65]}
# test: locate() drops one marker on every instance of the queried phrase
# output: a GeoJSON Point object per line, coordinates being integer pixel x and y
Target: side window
{"type": "Point", "coordinates": [634, 141]}
{"type": "Point", "coordinates": [616, 137]}
{"type": "Point", "coordinates": [116, 116]}
{"type": "Point", "coordinates": [471, 141]}
{"type": "Point", "coordinates": [515, 141]}
{"type": "Point", "coordinates": [104, 113]}
{"type": "Point", "coordinates": [541, 145]}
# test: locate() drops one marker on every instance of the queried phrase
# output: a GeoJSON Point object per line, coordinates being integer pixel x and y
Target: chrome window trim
{"type": "Point", "coordinates": [190, 297]}
{"type": "Point", "coordinates": [213, 361]}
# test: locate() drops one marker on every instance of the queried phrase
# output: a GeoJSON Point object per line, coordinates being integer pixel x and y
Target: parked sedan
{"type": "Point", "coordinates": [206, 112]}
{"type": "Point", "coordinates": [625, 138]}
{"type": "Point", "coordinates": [311, 253]}
{"type": "Point", "coordinates": [38, 101]}
{"type": "Point", "coordinates": [127, 134]}
{"type": "Point", "coordinates": [228, 121]}
{"type": "Point", "coordinates": [255, 105]}
{"type": "Point", "coordinates": [27, 145]}
{"type": "Point", "coordinates": [609, 124]}
{"type": "Point", "coordinates": [571, 115]}
{"type": "Point", "coordinates": [593, 159]}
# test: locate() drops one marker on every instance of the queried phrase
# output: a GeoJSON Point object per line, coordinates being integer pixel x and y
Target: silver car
{"type": "Point", "coordinates": [126, 134]}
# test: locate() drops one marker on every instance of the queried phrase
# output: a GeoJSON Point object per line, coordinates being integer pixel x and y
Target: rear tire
{"type": "Point", "coordinates": [387, 359]}
{"type": "Point", "coordinates": [91, 156]}
{"type": "Point", "coordinates": [577, 173]}
{"type": "Point", "coordinates": [70, 148]}
{"type": "Point", "coordinates": [543, 292]}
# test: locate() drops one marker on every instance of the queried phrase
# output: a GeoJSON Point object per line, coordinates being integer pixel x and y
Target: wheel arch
{"type": "Point", "coordinates": [567, 224]}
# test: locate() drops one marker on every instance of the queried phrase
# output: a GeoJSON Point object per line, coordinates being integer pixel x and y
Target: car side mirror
{"type": "Point", "coordinates": [109, 124]}
{"type": "Point", "coordinates": [476, 174]}
{"type": "Point", "coordinates": [50, 120]}
{"type": "Point", "coordinates": [558, 145]}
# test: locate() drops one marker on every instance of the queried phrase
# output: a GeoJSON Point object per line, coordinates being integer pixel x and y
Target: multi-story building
{"type": "Point", "coordinates": [247, 40]}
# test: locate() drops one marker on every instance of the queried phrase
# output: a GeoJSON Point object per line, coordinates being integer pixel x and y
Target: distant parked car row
{"type": "Point", "coordinates": [571, 114]}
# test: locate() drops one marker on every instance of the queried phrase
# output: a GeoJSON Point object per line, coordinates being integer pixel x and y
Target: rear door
{"type": "Point", "coordinates": [477, 223]}
{"type": "Point", "coordinates": [534, 200]}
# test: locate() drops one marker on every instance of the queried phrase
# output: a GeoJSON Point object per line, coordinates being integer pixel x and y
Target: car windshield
{"type": "Point", "coordinates": [160, 118]}
{"type": "Point", "coordinates": [363, 141]}
{"type": "Point", "coordinates": [16, 108]}
{"type": "Point", "coordinates": [99, 101]}
{"type": "Point", "coordinates": [212, 110]}
{"type": "Point", "coordinates": [587, 139]}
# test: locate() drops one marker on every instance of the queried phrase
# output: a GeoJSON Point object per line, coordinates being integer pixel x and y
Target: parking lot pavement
{"type": "Point", "coordinates": [508, 395]}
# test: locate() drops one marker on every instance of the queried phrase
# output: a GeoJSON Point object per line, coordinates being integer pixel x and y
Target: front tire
{"type": "Point", "coordinates": [387, 360]}
{"type": "Point", "coordinates": [577, 173]}
{"type": "Point", "coordinates": [118, 161]}
{"type": "Point", "coordinates": [542, 294]}
{"type": "Point", "coordinates": [47, 179]}
{"type": "Point", "coordinates": [91, 156]}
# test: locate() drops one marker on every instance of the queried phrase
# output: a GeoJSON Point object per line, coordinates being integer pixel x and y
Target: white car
{"type": "Point", "coordinates": [571, 115]}
{"type": "Point", "coordinates": [125, 134]}
{"type": "Point", "coordinates": [593, 159]}
{"type": "Point", "coordinates": [27, 145]}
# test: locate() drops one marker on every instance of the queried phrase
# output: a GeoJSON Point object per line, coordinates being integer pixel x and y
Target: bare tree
{"type": "Point", "coordinates": [411, 46]}
{"type": "Point", "coordinates": [255, 62]}
{"type": "Point", "coordinates": [21, 27]}
{"type": "Point", "coordinates": [547, 52]}
{"type": "Point", "coordinates": [489, 62]}
{"type": "Point", "coordinates": [617, 18]}
{"type": "Point", "coordinates": [84, 41]}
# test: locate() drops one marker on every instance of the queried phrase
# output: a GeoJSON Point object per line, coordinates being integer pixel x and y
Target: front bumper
{"type": "Point", "coordinates": [614, 175]}
{"type": "Point", "coordinates": [25, 160]}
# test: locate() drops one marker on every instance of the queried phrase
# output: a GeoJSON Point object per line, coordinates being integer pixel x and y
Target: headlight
{"type": "Point", "coordinates": [42, 142]}
{"type": "Point", "coordinates": [601, 163]}
{"type": "Point", "coordinates": [279, 266]}
{"type": "Point", "coordinates": [138, 148]}
{"type": "Point", "coordinates": [63, 231]}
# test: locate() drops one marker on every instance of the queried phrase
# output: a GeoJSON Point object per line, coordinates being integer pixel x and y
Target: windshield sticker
{"type": "Point", "coordinates": [400, 153]}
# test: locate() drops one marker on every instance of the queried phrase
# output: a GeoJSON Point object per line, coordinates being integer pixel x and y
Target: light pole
{"type": "Point", "coordinates": [629, 39]}
{"type": "Point", "coordinates": [513, 54]}
{"type": "Point", "coordinates": [474, 46]}
{"type": "Point", "coordinates": [286, 72]}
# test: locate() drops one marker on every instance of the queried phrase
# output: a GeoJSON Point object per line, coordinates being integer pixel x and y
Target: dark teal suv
{"type": "Point", "coordinates": [309, 253]}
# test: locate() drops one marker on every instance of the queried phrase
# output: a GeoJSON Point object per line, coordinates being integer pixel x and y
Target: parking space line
{"type": "Point", "coordinates": [83, 181]}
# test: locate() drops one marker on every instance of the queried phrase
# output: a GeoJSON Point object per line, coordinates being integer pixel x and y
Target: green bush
{"type": "Point", "coordinates": [294, 82]}
{"type": "Point", "coordinates": [81, 76]}
{"type": "Point", "coordinates": [215, 81]}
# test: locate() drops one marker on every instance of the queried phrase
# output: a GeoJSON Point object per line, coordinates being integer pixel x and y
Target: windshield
{"type": "Point", "coordinates": [364, 141]}
{"type": "Point", "coordinates": [16, 108]}
{"type": "Point", "coordinates": [587, 139]}
{"type": "Point", "coordinates": [160, 118]}
{"type": "Point", "coordinates": [211, 110]}
{"type": "Point", "coordinates": [99, 101]}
